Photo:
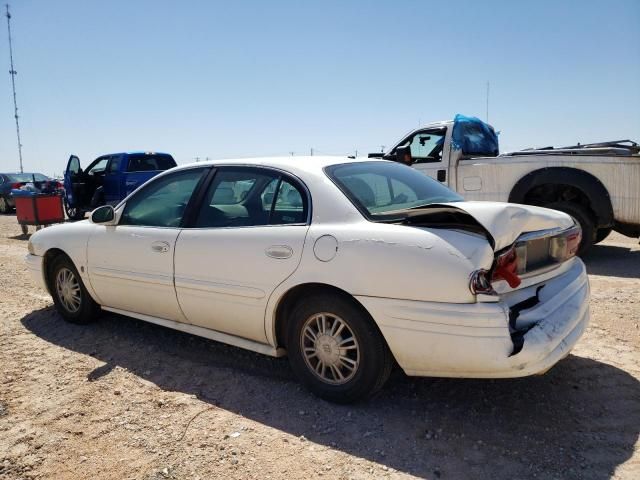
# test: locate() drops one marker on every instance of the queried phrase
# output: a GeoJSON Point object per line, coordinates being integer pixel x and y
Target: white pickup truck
{"type": "Point", "coordinates": [597, 184]}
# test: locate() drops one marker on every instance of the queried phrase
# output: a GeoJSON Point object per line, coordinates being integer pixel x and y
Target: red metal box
{"type": "Point", "coordinates": [39, 209]}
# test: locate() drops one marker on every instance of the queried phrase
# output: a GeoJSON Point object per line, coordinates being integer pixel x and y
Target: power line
{"type": "Point", "coordinates": [13, 74]}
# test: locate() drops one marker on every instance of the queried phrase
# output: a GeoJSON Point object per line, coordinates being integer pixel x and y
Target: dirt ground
{"type": "Point", "coordinates": [124, 399]}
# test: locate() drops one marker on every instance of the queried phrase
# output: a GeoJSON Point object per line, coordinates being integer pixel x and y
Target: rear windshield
{"type": "Point", "coordinates": [27, 177]}
{"type": "Point", "coordinates": [388, 190]}
{"type": "Point", "coordinates": [148, 162]}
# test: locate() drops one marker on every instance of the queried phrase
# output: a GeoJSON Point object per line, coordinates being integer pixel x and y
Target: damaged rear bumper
{"type": "Point", "coordinates": [475, 341]}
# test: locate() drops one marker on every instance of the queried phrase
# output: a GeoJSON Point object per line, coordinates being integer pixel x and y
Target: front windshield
{"type": "Point", "coordinates": [387, 190]}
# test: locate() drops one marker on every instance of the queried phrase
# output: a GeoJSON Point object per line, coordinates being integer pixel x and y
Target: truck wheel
{"type": "Point", "coordinates": [74, 213]}
{"type": "Point", "coordinates": [602, 234]}
{"type": "Point", "coordinates": [70, 296]}
{"type": "Point", "coordinates": [583, 218]}
{"type": "Point", "coordinates": [335, 349]}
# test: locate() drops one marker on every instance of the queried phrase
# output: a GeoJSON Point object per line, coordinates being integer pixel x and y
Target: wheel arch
{"type": "Point", "coordinates": [47, 260]}
{"type": "Point", "coordinates": [292, 296]}
{"type": "Point", "coordinates": [557, 181]}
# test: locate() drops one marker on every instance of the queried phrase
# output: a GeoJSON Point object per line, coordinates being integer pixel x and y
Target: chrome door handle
{"type": "Point", "coordinates": [160, 247]}
{"type": "Point", "coordinates": [279, 252]}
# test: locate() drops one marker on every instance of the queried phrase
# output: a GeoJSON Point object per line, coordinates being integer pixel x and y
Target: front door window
{"type": "Point", "coordinates": [427, 146]}
{"type": "Point", "coordinates": [162, 203]}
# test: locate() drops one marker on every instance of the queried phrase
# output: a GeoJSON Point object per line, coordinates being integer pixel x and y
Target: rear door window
{"type": "Point", "coordinates": [150, 162]}
{"type": "Point", "coordinates": [249, 197]}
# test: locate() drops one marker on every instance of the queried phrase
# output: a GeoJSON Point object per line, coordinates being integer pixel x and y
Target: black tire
{"type": "Point", "coordinates": [73, 213]}
{"type": "Point", "coordinates": [4, 205]}
{"type": "Point", "coordinates": [602, 234]}
{"type": "Point", "coordinates": [586, 221]}
{"type": "Point", "coordinates": [373, 359]}
{"type": "Point", "coordinates": [87, 309]}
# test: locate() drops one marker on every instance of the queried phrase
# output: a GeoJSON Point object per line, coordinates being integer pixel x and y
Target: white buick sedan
{"type": "Point", "coordinates": [345, 266]}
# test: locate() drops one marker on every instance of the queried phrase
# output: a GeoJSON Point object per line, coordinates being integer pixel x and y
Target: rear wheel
{"type": "Point", "coordinates": [336, 350]}
{"type": "Point", "coordinates": [69, 294]}
{"type": "Point", "coordinates": [582, 216]}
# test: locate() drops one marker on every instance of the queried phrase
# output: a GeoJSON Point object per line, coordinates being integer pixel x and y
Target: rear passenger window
{"type": "Point", "coordinates": [289, 206]}
{"type": "Point", "coordinates": [249, 197]}
{"type": "Point", "coordinates": [147, 162]}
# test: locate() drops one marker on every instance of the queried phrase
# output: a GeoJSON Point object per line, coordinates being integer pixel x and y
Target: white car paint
{"type": "Point", "coordinates": [226, 283]}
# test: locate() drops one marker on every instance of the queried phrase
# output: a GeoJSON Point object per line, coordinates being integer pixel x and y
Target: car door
{"type": "Point", "coordinates": [111, 182]}
{"type": "Point", "coordinates": [428, 153]}
{"type": "Point", "coordinates": [73, 183]}
{"type": "Point", "coordinates": [131, 264]}
{"type": "Point", "coordinates": [246, 239]}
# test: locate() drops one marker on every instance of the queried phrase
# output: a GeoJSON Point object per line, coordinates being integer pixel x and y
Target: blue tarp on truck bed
{"type": "Point", "coordinates": [474, 137]}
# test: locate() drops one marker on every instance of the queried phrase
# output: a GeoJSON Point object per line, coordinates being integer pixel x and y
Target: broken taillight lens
{"type": "Point", "coordinates": [506, 268]}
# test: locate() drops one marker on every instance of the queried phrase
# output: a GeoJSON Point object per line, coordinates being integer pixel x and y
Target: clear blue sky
{"type": "Point", "coordinates": [240, 78]}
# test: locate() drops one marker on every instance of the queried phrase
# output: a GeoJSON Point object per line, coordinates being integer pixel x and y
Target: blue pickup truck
{"type": "Point", "coordinates": [109, 179]}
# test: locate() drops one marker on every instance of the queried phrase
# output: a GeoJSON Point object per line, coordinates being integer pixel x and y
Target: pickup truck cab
{"type": "Point", "coordinates": [597, 184]}
{"type": "Point", "coordinates": [109, 179]}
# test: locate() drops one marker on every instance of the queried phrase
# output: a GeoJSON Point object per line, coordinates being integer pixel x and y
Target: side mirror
{"type": "Point", "coordinates": [104, 215]}
{"type": "Point", "coordinates": [403, 155]}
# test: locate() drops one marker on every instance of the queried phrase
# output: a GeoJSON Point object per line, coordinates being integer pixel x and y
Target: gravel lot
{"type": "Point", "coordinates": [124, 399]}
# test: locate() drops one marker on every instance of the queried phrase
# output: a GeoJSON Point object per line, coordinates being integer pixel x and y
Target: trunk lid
{"type": "Point", "coordinates": [502, 223]}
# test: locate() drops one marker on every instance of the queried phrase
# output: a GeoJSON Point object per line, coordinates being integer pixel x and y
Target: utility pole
{"type": "Point", "coordinates": [487, 102]}
{"type": "Point", "coordinates": [312, 151]}
{"type": "Point", "coordinates": [13, 74]}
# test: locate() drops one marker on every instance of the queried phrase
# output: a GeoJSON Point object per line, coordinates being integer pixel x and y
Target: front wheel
{"type": "Point", "coordinates": [336, 350]}
{"type": "Point", "coordinates": [70, 296]}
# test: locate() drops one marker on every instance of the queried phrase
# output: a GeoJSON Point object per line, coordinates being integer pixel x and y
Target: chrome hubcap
{"type": "Point", "coordinates": [330, 348]}
{"type": "Point", "coordinates": [68, 289]}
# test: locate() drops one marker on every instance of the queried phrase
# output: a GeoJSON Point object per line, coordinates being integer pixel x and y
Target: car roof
{"type": "Point", "coordinates": [140, 153]}
{"type": "Point", "coordinates": [293, 164]}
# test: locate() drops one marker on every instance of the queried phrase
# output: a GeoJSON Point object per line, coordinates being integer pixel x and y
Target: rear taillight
{"type": "Point", "coordinates": [565, 246]}
{"type": "Point", "coordinates": [16, 186]}
{"type": "Point", "coordinates": [479, 283]}
{"type": "Point", "coordinates": [507, 268]}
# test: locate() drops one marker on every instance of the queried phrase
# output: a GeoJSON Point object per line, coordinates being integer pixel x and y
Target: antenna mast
{"type": "Point", "coordinates": [487, 102]}
{"type": "Point", "coordinates": [13, 74]}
